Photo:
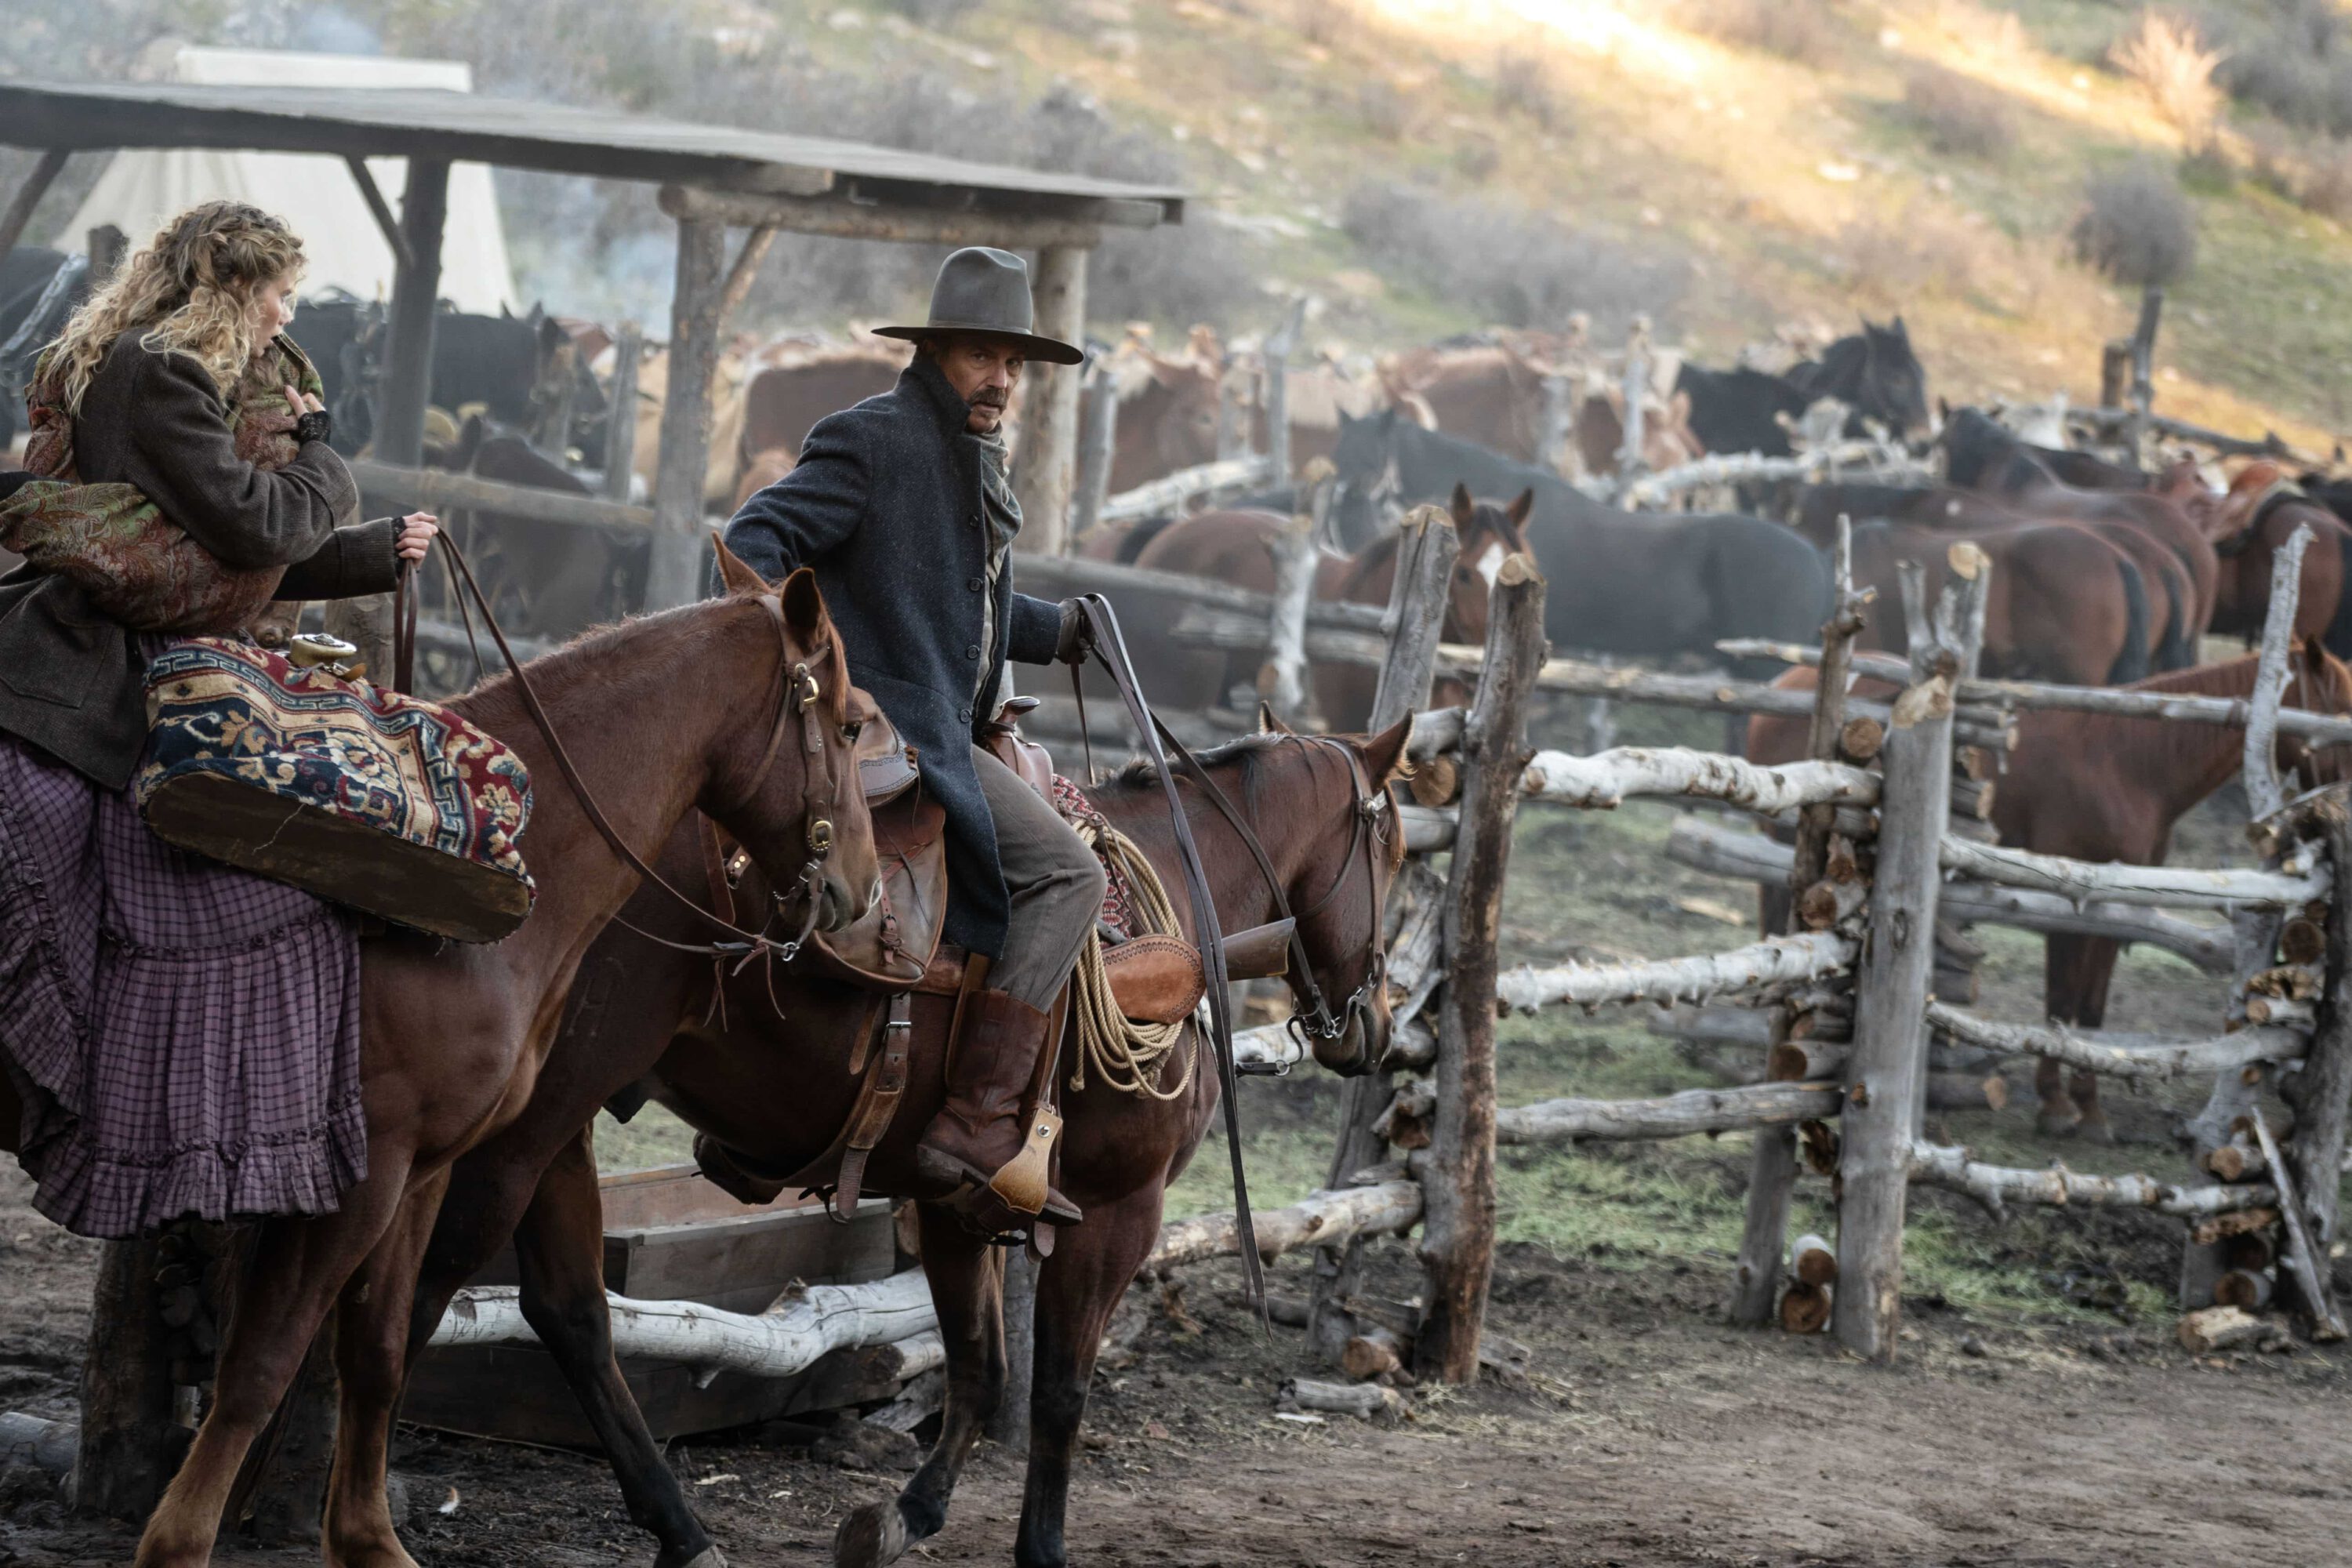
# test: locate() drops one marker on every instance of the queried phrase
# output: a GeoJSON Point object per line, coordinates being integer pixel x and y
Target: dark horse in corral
{"type": "Point", "coordinates": [1874, 373]}
{"type": "Point", "coordinates": [2248, 527]}
{"type": "Point", "coordinates": [1617, 582]}
{"type": "Point", "coordinates": [1237, 547]}
{"type": "Point", "coordinates": [767, 1074]}
{"type": "Point", "coordinates": [666, 715]}
{"type": "Point", "coordinates": [2097, 787]}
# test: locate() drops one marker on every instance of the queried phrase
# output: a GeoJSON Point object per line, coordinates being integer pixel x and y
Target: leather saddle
{"type": "Point", "coordinates": [896, 951]}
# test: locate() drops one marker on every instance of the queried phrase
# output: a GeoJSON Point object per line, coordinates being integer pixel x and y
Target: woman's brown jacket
{"type": "Point", "coordinates": [71, 681]}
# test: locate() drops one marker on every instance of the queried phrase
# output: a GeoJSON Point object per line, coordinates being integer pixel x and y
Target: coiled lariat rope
{"type": "Point", "coordinates": [1128, 1056]}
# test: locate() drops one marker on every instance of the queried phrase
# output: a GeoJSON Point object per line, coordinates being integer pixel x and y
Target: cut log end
{"type": "Point", "coordinates": [1805, 1308]}
{"type": "Point", "coordinates": [1813, 1261]}
{"type": "Point", "coordinates": [1860, 740]}
{"type": "Point", "coordinates": [1376, 1352]}
{"type": "Point", "coordinates": [1437, 783]}
{"type": "Point", "coordinates": [2220, 1327]}
{"type": "Point", "coordinates": [2243, 1288]}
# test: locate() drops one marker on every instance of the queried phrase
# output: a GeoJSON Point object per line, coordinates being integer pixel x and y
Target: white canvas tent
{"type": "Point", "coordinates": [143, 186]}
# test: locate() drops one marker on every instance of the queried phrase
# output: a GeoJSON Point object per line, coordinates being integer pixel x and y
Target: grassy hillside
{"type": "Point", "coordinates": [1776, 179]}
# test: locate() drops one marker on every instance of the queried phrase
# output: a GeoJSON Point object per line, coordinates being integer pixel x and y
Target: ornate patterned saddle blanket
{"type": "Point", "coordinates": [388, 804]}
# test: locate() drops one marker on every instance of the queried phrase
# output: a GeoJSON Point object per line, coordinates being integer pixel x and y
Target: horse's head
{"type": "Point", "coordinates": [1353, 845]}
{"type": "Point", "coordinates": [2319, 682]}
{"type": "Point", "coordinates": [785, 783]}
{"type": "Point", "coordinates": [1894, 384]}
{"type": "Point", "coordinates": [1491, 533]}
{"type": "Point", "coordinates": [1974, 445]}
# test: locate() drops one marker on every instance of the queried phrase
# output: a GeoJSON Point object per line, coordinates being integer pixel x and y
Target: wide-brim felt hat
{"type": "Point", "coordinates": [982, 290]}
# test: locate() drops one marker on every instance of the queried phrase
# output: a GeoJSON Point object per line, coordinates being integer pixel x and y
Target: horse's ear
{"type": "Point", "coordinates": [1465, 509]}
{"type": "Point", "coordinates": [1522, 507]}
{"type": "Point", "coordinates": [733, 573]}
{"type": "Point", "coordinates": [1269, 723]}
{"type": "Point", "coordinates": [1384, 757]}
{"type": "Point", "coordinates": [803, 606]}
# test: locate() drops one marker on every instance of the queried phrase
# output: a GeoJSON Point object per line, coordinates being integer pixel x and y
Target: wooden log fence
{"type": "Point", "coordinates": [1936, 1165]}
{"type": "Point", "coordinates": [2145, 1057]}
{"type": "Point", "coordinates": [1693, 1110]}
{"type": "Point", "coordinates": [1775, 961]}
{"type": "Point", "coordinates": [1172, 492]}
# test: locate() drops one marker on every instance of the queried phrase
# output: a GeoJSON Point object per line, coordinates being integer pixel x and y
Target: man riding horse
{"type": "Point", "coordinates": [901, 507]}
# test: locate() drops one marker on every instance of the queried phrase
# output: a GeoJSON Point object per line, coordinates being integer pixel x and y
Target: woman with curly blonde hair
{"type": "Point", "coordinates": [176, 1037]}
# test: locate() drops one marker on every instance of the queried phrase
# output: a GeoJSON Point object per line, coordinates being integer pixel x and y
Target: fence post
{"type": "Point", "coordinates": [1890, 1033]}
{"type": "Point", "coordinates": [2315, 1149]}
{"type": "Point", "coordinates": [1630, 459]}
{"type": "Point", "coordinates": [1416, 621]}
{"type": "Point", "coordinates": [1275, 352]}
{"type": "Point", "coordinates": [2254, 932]}
{"type": "Point", "coordinates": [1282, 679]}
{"type": "Point", "coordinates": [2143, 367]}
{"type": "Point", "coordinates": [1097, 440]}
{"type": "Point", "coordinates": [1233, 411]}
{"type": "Point", "coordinates": [621, 411]}
{"type": "Point", "coordinates": [1772, 1166]}
{"type": "Point", "coordinates": [1457, 1238]}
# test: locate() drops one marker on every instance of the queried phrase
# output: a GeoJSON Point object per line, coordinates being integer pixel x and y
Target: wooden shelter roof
{"type": "Point", "coordinates": [558, 138]}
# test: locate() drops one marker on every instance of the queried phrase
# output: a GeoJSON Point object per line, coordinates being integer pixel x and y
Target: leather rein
{"type": "Point", "coordinates": [800, 694]}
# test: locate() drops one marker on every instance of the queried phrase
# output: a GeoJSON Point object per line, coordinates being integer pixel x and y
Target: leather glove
{"type": "Point", "coordinates": [315, 425]}
{"type": "Point", "coordinates": [1077, 638]}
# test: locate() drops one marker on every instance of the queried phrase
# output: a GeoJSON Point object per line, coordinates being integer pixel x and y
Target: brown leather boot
{"type": "Point", "coordinates": [980, 1147]}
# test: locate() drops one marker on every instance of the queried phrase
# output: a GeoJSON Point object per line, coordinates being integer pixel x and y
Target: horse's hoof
{"type": "Point", "coordinates": [872, 1537]}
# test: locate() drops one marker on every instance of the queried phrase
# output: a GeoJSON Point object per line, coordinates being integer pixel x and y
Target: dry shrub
{"type": "Point", "coordinates": [1508, 265]}
{"type": "Point", "coordinates": [2136, 226]}
{"type": "Point", "coordinates": [1805, 31]}
{"type": "Point", "coordinates": [1322, 22]}
{"type": "Point", "coordinates": [2170, 58]}
{"type": "Point", "coordinates": [1959, 115]}
{"type": "Point", "coordinates": [1386, 112]}
{"type": "Point", "coordinates": [2293, 58]}
{"type": "Point", "coordinates": [1478, 158]}
{"type": "Point", "coordinates": [1997, 36]}
{"type": "Point", "coordinates": [2327, 184]}
{"type": "Point", "coordinates": [1524, 85]}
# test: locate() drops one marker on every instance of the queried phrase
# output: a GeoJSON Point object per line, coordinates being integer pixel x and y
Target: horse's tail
{"type": "Point", "coordinates": [2131, 660]}
{"type": "Point", "coordinates": [2338, 637]}
{"type": "Point", "coordinates": [2180, 650]}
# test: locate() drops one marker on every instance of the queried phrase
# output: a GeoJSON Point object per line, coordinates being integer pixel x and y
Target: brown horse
{"type": "Point", "coordinates": [454, 1035]}
{"type": "Point", "coordinates": [2064, 604]}
{"type": "Point", "coordinates": [1982, 455]}
{"type": "Point", "coordinates": [2173, 605]}
{"type": "Point", "coordinates": [777, 1092]}
{"type": "Point", "coordinates": [2102, 788]}
{"type": "Point", "coordinates": [2247, 527]}
{"type": "Point", "coordinates": [1237, 547]}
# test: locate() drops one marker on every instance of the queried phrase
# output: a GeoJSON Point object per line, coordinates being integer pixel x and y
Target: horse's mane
{"type": "Point", "coordinates": [1247, 750]}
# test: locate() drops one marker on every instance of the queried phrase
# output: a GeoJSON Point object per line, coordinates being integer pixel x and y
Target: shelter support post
{"type": "Point", "coordinates": [1097, 448]}
{"type": "Point", "coordinates": [621, 417]}
{"type": "Point", "coordinates": [1457, 1239]}
{"type": "Point", "coordinates": [675, 576]}
{"type": "Point", "coordinates": [1043, 477]}
{"type": "Point", "coordinates": [415, 291]}
{"type": "Point", "coordinates": [27, 196]}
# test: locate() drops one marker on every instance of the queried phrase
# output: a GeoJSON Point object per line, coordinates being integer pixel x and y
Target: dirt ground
{"type": "Point", "coordinates": [1648, 1432]}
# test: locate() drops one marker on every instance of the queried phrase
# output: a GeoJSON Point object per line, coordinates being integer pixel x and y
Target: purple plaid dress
{"type": "Point", "coordinates": [184, 1037]}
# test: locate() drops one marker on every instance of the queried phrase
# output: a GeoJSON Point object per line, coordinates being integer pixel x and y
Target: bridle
{"type": "Point", "coordinates": [1371, 819]}
{"type": "Point", "coordinates": [799, 693]}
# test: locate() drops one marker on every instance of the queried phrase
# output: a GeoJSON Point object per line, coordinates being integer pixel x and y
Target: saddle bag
{"type": "Point", "coordinates": [388, 804]}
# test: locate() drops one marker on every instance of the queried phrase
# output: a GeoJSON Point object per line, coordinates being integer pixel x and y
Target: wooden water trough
{"type": "Point", "coordinates": [669, 1235]}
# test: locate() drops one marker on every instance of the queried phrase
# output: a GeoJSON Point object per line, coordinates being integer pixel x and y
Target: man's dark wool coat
{"type": "Point", "coordinates": [886, 506]}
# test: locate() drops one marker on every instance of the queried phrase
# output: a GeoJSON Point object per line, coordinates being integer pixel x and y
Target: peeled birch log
{"type": "Point", "coordinates": [1375, 1352]}
{"type": "Point", "coordinates": [1412, 1047]}
{"type": "Point", "coordinates": [1435, 731]}
{"type": "Point", "coordinates": [1365, 1401]}
{"type": "Point", "coordinates": [1270, 1049]}
{"type": "Point", "coordinates": [1773, 961]}
{"type": "Point", "coordinates": [2222, 1227]}
{"type": "Point", "coordinates": [2221, 1328]}
{"type": "Point", "coordinates": [1935, 1166]}
{"type": "Point", "coordinates": [1671, 1116]}
{"type": "Point", "coordinates": [1169, 492]}
{"type": "Point", "coordinates": [1813, 1261]}
{"type": "Point", "coordinates": [2244, 1289]}
{"type": "Point", "coordinates": [2305, 1260]}
{"type": "Point", "coordinates": [2173, 887]}
{"type": "Point", "coordinates": [1605, 780]}
{"type": "Point", "coordinates": [2236, 1162]}
{"type": "Point", "coordinates": [1827, 903]}
{"type": "Point", "coordinates": [787, 1338]}
{"type": "Point", "coordinates": [2118, 1056]}
{"type": "Point", "coordinates": [2188, 709]}
{"type": "Point", "coordinates": [1319, 1217]}
{"type": "Point", "coordinates": [2280, 1013]}
{"type": "Point", "coordinates": [1731, 852]}
{"type": "Point", "coordinates": [1805, 1308]}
